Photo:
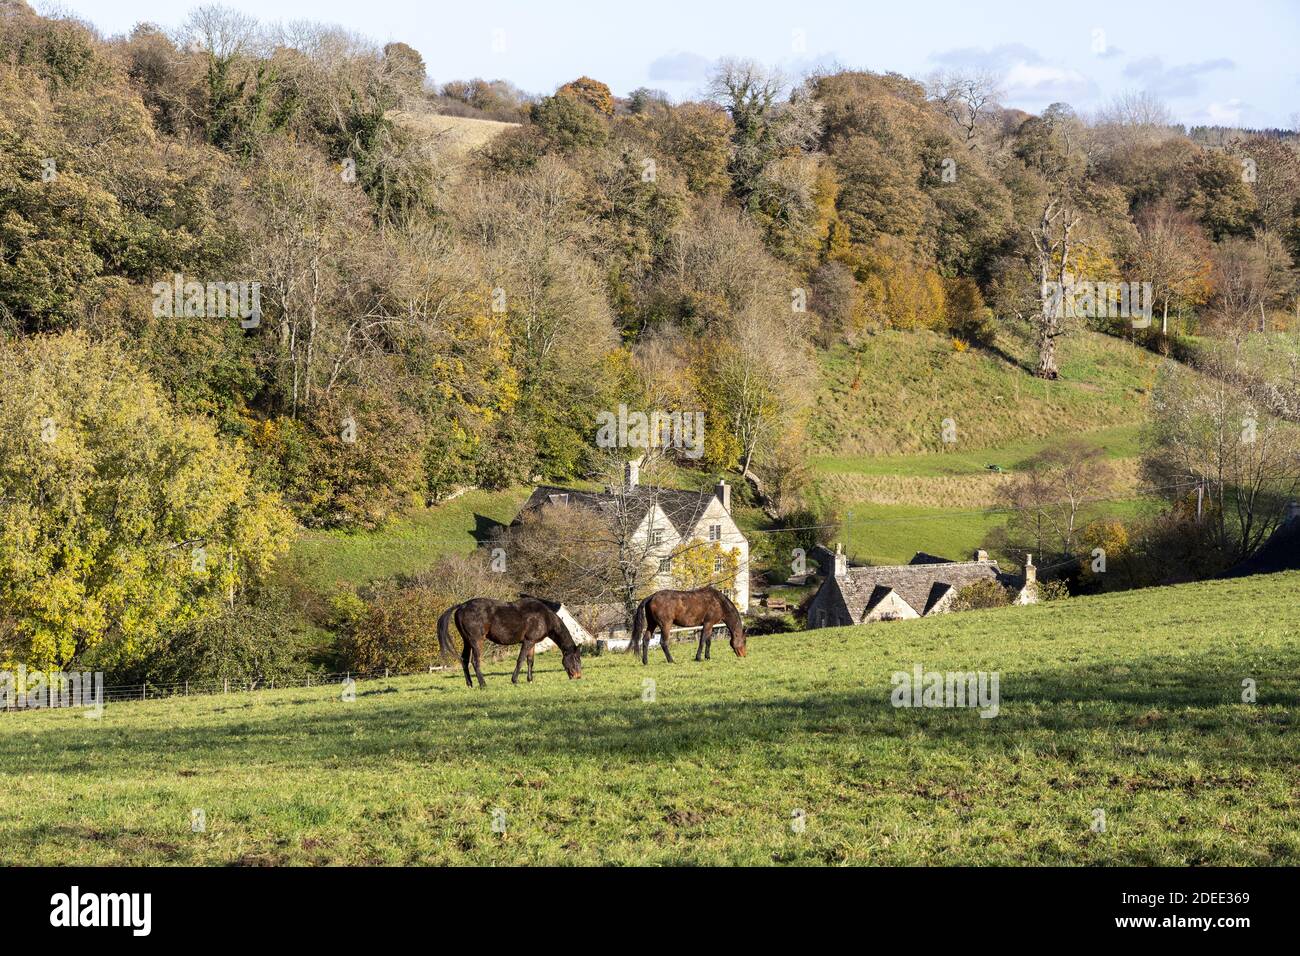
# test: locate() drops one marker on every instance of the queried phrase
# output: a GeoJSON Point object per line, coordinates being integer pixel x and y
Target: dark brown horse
{"type": "Point", "coordinates": [526, 622]}
{"type": "Point", "coordinates": [706, 607]}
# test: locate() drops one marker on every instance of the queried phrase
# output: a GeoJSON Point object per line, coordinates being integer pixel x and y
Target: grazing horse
{"type": "Point", "coordinates": [526, 622]}
{"type": "Point", "coordinates": [665, 610]}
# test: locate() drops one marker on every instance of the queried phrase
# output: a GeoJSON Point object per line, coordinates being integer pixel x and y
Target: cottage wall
{"type": "Point", "coordinates": [891, 608]}
{"type": "Point", "coordinates": [732, 540]}
{"type": "Point", "coordinates": [827, 608]}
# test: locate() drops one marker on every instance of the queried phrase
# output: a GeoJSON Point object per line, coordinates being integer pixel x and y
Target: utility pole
{"type": "Point", "coordinates": [1200, 497]}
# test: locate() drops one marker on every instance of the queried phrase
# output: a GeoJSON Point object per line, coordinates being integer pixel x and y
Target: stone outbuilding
{"type": "Point", "coordinates": [926, 586]}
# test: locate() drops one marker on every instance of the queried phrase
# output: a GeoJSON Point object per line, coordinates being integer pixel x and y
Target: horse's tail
{"type": "Point", "coordinates": [444, 630]}
{"type": "Point", "coordinates": [638, 625]}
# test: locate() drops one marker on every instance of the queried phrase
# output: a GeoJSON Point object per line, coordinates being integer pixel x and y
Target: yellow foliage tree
{"type": "Point", "coordinates": [697, 564]}
{"type": "Point", "coordinates": [119, 520]}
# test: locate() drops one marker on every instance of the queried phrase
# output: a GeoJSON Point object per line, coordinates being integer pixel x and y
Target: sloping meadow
{"type": "Point", "coordinates": [1149, 727]}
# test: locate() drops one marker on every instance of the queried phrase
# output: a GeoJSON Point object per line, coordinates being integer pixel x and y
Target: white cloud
{"type": "Point", "coordinates": [1041, 84]}
{"type": "Point", "coordinates": [1225, 114]}
{"type": "Point", "coordinates": [681, 67]}
{"type": "Point", "coordinates": [1174, 81]}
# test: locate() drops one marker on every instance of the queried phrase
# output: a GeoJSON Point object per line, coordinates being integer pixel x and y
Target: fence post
{"type": "Point", "coordinates": [143, 687]}
{"type": "Point", "coordinates": [226, 687]}
{"type": "Point", "coordinates": [187, 688]}
{"type": "Point", "coordinates": [385, 673]}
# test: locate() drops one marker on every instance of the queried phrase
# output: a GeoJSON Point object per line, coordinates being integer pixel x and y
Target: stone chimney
{"type": "Point", "coordinates": [723, 492]}
{"type": "Point", "coordinates": [841, 561]}
{"type": "Point", "coordinates": [1031, 572]}
{"type": "Point", "coordinates": [632, 473]}
{"type": "Point", "coordinates": [981, 555]}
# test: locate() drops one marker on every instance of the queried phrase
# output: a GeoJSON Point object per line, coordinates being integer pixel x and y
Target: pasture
{"type": "Point", "coordinates": [1128, 703]}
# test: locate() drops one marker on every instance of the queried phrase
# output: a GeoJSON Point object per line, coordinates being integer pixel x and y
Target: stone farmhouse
{"type": "Point", "coordinates": [927, 585]}
{"type": "Point", "coordinates": [667, 518]}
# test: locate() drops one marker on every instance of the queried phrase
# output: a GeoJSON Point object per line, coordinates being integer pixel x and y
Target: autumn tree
{"type": "Point", "coordinates": [1173, 255]}
{"type": "Point", "coordinates": [592, 92]}
{"type": "Point", "coordinates": [1051, 498]}
{"type": "Point", "coordinates": [119, 520]}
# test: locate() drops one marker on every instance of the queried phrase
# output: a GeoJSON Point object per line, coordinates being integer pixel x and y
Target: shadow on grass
{"type": "Point", "coordinates": [1189, 709]}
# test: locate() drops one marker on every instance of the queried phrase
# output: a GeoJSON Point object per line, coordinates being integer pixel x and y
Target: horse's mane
{"type": "Point", "coordinates": [553, 605]}
{"type": "Point", "coordinates": [726, 601]}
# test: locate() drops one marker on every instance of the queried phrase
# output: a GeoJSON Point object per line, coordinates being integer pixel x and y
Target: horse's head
{"type": "Point", "coordinates": [573, 663]}
{"type": "Point", "coordinates": [735, 624]}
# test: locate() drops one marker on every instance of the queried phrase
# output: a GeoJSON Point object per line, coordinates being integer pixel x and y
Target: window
{"type": "Point", "coordinates": [715, 532]}
{"type": "Point", "coordinates": [665, 565]}
{"type": "Point", "coordinates": [717, 565]}
{"type": "Point", "coordinates": [656, 537]}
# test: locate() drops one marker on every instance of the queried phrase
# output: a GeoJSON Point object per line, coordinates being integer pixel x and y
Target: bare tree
{"type": "Point", "coordinates": [220, 31]}
{"type": "Point", "coordinates": [1174, 256]}
{"type": "Point", "coordinates": [1054, 241]}
{"type": "Point", "coordinates": [604, 551]}
{"type": "Point", "coordinates": [1136, 117]}
{"type": "Point", "coordinates": [1052, 497]}
{"type": "Point", "coordinates": [1248, 275]}
{"type": "Point", "coordinates": [968, 98]}
{"type": "Point", "coordinates": [1210, 427]}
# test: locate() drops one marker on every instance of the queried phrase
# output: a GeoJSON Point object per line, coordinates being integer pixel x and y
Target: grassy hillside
{"type": "Point", "coordinates": [455, 136]}
{"type": "Point", "coordinates": [410, 543]}
{"type": "Point", "coordinates": [907, 383]}
{"type": "Point", "coordinates": [1130, 703]}
{"type": "Point", "coordinates": [903, 489]}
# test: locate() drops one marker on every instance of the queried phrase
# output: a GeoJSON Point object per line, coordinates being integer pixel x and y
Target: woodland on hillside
{"type": "Point", "coordinates": [431, 319]}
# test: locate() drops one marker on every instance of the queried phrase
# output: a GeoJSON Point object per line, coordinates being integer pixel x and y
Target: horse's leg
{"type": "Point", "coordinates": [699, 649]}
{"type": "Point", "coordinates": [464, 661]}
{"type": "Point", "coordinates": [523, 651]}
{"type": "Point", "coordinates": [708, 639]}
{"type": "Point", "coordinates": [531, 648]}
{"type": "Point", "coordinates": [478, 655]}
{"type": "Point", "coordinates": [663, 642]}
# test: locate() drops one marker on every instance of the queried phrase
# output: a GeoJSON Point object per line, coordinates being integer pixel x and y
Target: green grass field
{"type": "Point", "coordinates": [411, 543]}
{"type": "Point", "coordinates": [1127, 703]}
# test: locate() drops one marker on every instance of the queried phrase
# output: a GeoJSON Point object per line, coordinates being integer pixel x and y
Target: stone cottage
{"type": "Point", "coordinates": [927, 585]}
{"type": "Point", "coordinates": [664, 519]}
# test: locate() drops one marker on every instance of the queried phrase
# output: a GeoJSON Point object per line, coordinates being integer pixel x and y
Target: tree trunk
{"type": "Point", "coordinates": [1047, 356]}
{"type": "Point", "coordinates": [765, 502]}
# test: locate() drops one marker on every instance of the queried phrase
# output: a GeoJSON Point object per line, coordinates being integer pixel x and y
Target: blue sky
{"type": "Point", "coordinates": [1211, 61]}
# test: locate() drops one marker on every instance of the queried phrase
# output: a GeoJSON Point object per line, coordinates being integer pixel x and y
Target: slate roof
{"type": "Point", "coordinates": [922, 557]}
{"type": "Point", "coordinates": [683, 508]}
{"type": "Point", "coordinates": [920, 584]}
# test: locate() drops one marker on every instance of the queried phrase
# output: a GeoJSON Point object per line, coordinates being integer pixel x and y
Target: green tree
{"type": "Point", "coordinates": [119, 520]}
